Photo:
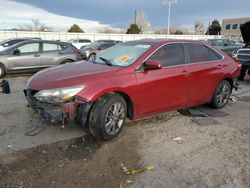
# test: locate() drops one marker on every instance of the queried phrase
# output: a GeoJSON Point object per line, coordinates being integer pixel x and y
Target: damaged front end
{"type": "Point", "coordinates": [60, 112]}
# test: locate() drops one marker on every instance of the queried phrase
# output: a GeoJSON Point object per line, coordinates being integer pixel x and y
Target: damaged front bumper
{"type": "Point", "coordinates": [77, 109]}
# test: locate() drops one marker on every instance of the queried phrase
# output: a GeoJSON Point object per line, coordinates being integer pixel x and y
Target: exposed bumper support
{"type": "Point", "coordinates": [77, 109]}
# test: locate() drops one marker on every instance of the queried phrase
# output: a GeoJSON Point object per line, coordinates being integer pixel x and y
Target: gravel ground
{"type": "Point", "coordinates": [214, 155]}
{"type": "Point", "coordinates": [16, 119]}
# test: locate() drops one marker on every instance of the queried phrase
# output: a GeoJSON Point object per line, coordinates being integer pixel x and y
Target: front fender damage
{"type": "Point", "coordinates": [77, 110]}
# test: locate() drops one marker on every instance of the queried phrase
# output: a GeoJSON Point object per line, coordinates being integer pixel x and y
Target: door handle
{"type": "Point", "coordinates": [37, 55]}
{"type": "Point", "coordinates": [185, 72]}
{"type": "Point", "coordinates": [219, 66]}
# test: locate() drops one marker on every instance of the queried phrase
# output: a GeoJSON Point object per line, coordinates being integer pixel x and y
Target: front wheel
{"type": "Point", "coordinates": [2, 71]}
{"type": "Point", "coordinates": [92, 57]}
{"type": "Point", "coordinates": [222, 94]}
{"type": "Point", "coordinates": [107, 116]}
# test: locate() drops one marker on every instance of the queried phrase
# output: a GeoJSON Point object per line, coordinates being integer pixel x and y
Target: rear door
{"type": "Point", "coordinates": [205, 72]}
{"type": "Point", "coordinates": [28, 57]}
{"type": "Point", "coordinates": [52, 54]}
{"type": "Point", "coordinates": [163, 89]}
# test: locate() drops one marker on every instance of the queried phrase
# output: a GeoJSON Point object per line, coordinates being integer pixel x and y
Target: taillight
{"type": "Point", "coordinates": [237, 61]}
{"type": "Point", "coordinates": [76, 50]}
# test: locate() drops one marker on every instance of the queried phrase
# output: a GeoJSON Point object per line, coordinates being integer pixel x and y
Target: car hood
{"type": "Point", "coordinates": [69, 75]}
{"type": "Point", "coordinates": [245, 32]}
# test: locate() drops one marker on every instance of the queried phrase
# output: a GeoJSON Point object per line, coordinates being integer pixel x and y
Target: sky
{"type": "Point", "coordinates": [91, 15]}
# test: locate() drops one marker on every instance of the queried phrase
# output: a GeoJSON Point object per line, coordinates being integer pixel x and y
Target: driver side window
{"type": "Point", "coordinates": [170, 55]}
{"type": "Point", "coordinates": [29, 48]}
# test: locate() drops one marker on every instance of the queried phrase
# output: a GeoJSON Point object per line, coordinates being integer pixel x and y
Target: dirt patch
{"type": "Point", "coordinates": [81, 162]}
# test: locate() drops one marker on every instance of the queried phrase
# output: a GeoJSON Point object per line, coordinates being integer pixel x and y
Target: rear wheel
{"type": "Point", "coordinates": [2, 71]}
{"type": "Point", "coordinates": [222, 94]}
{"type": "Point", "coordinates": [67, 61]}
{"type": "Point", "coordinates": [107, 116]}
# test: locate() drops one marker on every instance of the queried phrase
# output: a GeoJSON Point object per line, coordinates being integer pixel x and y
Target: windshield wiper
{"type": "Point", "coordinates": [106, 61]}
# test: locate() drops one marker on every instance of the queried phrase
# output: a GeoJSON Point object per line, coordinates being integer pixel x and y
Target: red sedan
{"type": "Point", "coordinates": [133, 80]}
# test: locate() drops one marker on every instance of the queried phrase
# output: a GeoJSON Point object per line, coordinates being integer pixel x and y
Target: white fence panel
{"type": "Point", "coordinates": [63, 36]}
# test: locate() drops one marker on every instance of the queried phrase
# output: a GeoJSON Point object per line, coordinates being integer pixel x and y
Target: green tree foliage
{"type": "Point", "coordinates": [178, 32]}
{"type": "Point", "coordinates": [133, 29]}
{"type": "Point", "coordinates": [75, 29]}
{"type": "Point", "coordinates": [214, 28]}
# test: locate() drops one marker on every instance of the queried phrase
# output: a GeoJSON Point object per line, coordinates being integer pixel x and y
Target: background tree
{"type": "Point", "coordinates": [75, 29]}
{"type": "Point", "coordinates": [133, 29]}
{"type": "Point", "coordinates": [214, 28]}
{"type": "Point", "coordinates": [110, 30]}
{"type": "Point", "coordinates": [178, 32]}
{"type": "Point", "coordinates": [35, 25]}
{"type": "Point", "coordinates": [199, 27]}
{"type": "Point", "coordinates": [142, 21]}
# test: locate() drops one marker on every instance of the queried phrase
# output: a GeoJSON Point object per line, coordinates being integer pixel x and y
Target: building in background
{"type": "Point", "coordinates": [231, 27]}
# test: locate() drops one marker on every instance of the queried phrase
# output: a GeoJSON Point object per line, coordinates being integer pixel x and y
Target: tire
{"type": "Point", "coordinates": [92, 57]}
{"type": "Point", "coordinates": [242, 74]}
{"type": "Point", "coordinates": [107, 116]}
{"type": "Point", "coordinates": [2, 71]}
{"type": "Point", "coordinates": [67, 61]}
{"type": "Point", "coordinates": [221, 95]}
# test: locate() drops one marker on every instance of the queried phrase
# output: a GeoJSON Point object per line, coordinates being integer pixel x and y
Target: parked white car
{"type": "Point", "coordinates": [78, 43]}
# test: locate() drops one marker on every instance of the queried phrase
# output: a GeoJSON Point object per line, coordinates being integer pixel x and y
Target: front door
{"type": "Point", "coordinates": [163, 89]}
{"type": "Point", "coordinates": [28, 57]}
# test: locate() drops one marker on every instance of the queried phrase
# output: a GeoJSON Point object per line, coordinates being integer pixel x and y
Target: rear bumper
{"type": "Point", "coordinates": [77, 109]}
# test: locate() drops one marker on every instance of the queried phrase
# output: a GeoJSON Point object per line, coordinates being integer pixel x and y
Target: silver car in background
{"type": "Point", "coordinates": [33, 55]}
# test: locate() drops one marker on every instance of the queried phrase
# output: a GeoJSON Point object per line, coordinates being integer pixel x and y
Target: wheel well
{"type": "Point", "coordinates": [230, 80]}
{"type": "Point", "coordinates": [130, 112]}
{"type": "Point", "coordinates": [130, 106]}
{"type": "Point", "coordinates": [1, 64]}
{"type": "Point", "coordinates": [69, 60]}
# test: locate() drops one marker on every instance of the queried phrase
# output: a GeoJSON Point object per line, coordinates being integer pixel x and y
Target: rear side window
{"type": "Point", "coordinates": [197, 53]}
{"type": "Point", "coordinates": [200, 53]}
{"type": "Point", "coordinates": [213, 55]}
{"type": "Point", "coordinates": [170, 55]}
{"type": "Point", "coordinates": [51, 47]}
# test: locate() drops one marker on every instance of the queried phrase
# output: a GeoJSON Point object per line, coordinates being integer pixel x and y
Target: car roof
{"type": "Point", "coordinates": [162, 41]}
{"type": "Point", "coordinates": [38, 40]}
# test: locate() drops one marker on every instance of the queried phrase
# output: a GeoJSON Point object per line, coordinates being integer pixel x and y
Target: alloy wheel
{"type": "Point", "coordinates": [223, 94]}
{"type": "Point", "coordinates": [114, 118]}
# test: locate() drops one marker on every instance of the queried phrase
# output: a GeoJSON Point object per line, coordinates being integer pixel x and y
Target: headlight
{"type": "Point", "coordinates": [58, 95]}
{"type": "Point", "coordinates": [86, 53]}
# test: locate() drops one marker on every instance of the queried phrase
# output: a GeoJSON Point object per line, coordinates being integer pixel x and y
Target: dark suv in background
{"type": "Point", "coordinates": [226, 45]}
{"type": "Point", "coordinates": [89, 52]}
{"type": "Point", "coordinates": [243, 54]}
{"type": "Point", "coordinates": [33, 55]}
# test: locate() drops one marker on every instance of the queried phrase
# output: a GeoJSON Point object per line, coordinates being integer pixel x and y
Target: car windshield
{"type": "Point", "coordinates": [123, 54]}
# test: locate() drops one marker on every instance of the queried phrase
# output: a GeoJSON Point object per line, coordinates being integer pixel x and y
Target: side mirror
{"type": "Point", "coordinates": [16, 52]}
{"type": "Point", "coordinates": [151, 65]}
{"type": "Point", "coordinates": [225, 44]}
{"type": "Point", "coordinates": [99, 49]}
{"type": "Point", "coordinates": [5, 45]}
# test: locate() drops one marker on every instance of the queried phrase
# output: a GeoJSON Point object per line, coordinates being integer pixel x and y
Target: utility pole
{"type": "Point", "coordinates": [135, 17]}
{"type": "Point", "coordinates": [169, 3]}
